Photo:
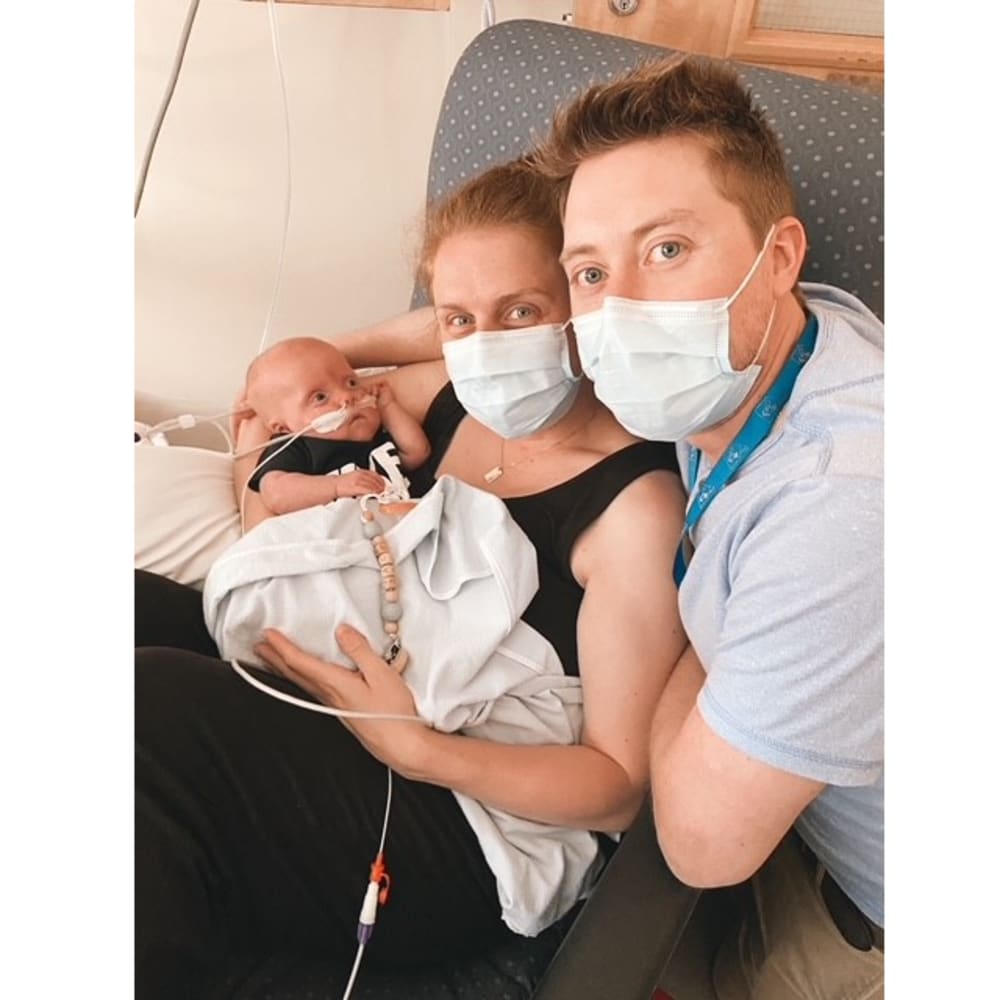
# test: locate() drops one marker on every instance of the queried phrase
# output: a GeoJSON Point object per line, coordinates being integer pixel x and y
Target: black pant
{"type": "Point", "coordinates": [256, 824]}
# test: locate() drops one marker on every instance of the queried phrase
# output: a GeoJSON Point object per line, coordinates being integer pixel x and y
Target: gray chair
{"type": "Point", "coordinates": [499, 100]}
{"type": "Point", "coordinates": [503, 91]}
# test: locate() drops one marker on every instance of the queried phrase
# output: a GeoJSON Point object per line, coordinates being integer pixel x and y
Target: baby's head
{"type": "Point", "coordinates": [298, 380]}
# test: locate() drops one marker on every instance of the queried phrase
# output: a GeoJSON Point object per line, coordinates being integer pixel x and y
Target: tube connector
{"type": "Point", "coordinates": [369, 911]}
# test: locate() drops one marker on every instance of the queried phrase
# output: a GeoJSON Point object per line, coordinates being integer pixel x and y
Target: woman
{"type": "Point", "coordinates": [257, 821]}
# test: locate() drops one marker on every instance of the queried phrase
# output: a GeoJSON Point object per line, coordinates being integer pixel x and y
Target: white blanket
{"type": "Point", "coordinates": [466, 574]}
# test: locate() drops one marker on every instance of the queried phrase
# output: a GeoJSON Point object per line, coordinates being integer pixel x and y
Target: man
{"type": "Point", "coordinates": [683, 254]}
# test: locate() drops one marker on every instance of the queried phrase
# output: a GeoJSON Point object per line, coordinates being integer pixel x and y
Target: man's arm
{"type": "Point", "coordinates": [719, 813]}
{"type": "Point", "coordinates": [401, 340]}
{"type": "Point", "coordinates": [792, 700]}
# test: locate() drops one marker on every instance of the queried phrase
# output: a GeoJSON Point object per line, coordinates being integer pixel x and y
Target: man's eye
{"type": "Point", "coordinates": [320, 397]}
{"type": "Point", "coordinates": [590, 276]}
{"type": "Point", "coordinates": [352, 383]}
{"type": "Point", "coordinates": [667, 250]}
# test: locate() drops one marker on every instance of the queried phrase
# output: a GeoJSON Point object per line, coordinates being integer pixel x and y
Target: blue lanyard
{"type": "Point", "coordinates": [758, 425]}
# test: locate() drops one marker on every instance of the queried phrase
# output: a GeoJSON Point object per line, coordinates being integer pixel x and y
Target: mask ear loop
{"type": "Point", "coordinates": [743, 284]}
{"type": "Point", "coordinates": [753, 267]}
{"type": "Point", "coordinates": [767, 333]}
{"type": "Point", "coordinates": [572, 365]}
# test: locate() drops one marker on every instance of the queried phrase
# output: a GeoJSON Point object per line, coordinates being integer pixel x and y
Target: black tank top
{"type": "Point", "coordinates": [554, 518]}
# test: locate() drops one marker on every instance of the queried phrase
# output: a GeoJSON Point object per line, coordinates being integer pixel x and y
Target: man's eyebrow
{"type": "Point", "coordinates": [675, 215]}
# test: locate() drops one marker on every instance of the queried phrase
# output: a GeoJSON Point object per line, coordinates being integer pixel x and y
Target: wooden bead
{"type": "Point", "coordinates": [392, 610]}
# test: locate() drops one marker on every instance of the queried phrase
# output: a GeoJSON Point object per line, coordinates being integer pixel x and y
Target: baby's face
{"type": "Point", "coordinates": [299, 381]}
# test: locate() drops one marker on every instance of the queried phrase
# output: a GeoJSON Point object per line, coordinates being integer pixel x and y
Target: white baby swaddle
{"type": "Point", "coordinates": [466, 574]}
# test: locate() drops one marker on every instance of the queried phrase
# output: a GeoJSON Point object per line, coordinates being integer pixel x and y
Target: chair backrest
{"type": "Point", "coordinates": [503, 91]}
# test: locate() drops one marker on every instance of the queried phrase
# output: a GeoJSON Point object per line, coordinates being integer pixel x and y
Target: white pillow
{"type": "Point", "coordinates": [185, 510]}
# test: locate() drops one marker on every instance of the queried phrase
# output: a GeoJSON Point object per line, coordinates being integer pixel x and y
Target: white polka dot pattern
{"type": "Point", "coordinates": [502, 93]}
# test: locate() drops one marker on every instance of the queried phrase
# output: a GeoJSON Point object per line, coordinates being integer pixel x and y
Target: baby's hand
{"type": "Point", "coordinates": [382, 392]}
{"type": "Point", "coordinates": [359, 482]}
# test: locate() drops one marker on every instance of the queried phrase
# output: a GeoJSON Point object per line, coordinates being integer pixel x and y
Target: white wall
{"type": "Point", "coordinates": [364, 87]}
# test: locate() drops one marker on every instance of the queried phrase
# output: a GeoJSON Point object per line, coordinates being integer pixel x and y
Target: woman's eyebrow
{"type": "Point", "coordinates": [520, 293]}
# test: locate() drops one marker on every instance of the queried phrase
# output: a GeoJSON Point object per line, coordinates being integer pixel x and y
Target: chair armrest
{"type": "Point", "coordinates": [627, 929]}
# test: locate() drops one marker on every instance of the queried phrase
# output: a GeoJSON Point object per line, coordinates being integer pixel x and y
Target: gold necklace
{"type": "Point", "coordinates": [492, 475]}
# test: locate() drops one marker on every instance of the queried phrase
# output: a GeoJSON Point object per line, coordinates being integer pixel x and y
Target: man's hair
{"type": "Point", "coordinates": [687, 96]}
{"type": "Point", "coordinates": [513, 194]}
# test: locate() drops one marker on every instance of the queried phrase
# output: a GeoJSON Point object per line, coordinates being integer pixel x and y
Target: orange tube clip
{"type": "Point", "coordinates": [380, 875]}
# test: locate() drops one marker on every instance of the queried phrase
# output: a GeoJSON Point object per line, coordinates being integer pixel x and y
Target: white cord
{"type": "Point", "coordinates": [381, 848]}
{"type": "Point", "coordinates": [164, 104]}
{"type": "Point", "coordinates": [354, 971]}
{"type": "Point", "coordinates": [276, 47]}
{"type": "Point", "coordinates": [388, 802]}
{"type": "Point", "coordinates": [489, 17]}
{"type": "Point", "coordinates": [188, 420]}
{"type": "Point", "coordinates": [323, 709]}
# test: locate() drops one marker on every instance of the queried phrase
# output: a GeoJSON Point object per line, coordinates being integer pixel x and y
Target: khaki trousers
{"type": "Point", "coordinates": [790, 948]}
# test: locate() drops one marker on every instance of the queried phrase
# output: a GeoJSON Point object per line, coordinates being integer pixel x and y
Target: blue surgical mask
{"type": "Point", "coordinates": [516, 382]}
{"type": "Point", "coordinates": [663, 368]}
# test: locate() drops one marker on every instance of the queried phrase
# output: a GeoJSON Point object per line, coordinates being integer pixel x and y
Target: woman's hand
{"type": "Point", "coordinates": [375, 687]}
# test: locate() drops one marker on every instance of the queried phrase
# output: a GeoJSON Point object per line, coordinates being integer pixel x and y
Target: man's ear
{"type": "Point", "coordinates": [789, 252]}
{"type": "Point", "coordinates": [276, 427]}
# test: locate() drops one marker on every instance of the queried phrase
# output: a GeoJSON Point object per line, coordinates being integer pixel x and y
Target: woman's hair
{"type": "Point", "coordinates": [513, 194]}
{"type": "Point", "coordinates": [687, 96]}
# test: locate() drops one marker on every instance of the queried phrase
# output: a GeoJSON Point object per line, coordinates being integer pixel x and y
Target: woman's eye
{"type": "Point", "coordinates": [667, 250]}
{"type": "Point", "coordinates": [521, 313]}
{"type": "Point", "coordinates": [459, 322]}
{"type": "Point", "coordinates": [590, 276]}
